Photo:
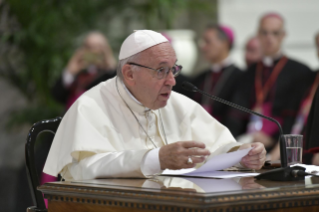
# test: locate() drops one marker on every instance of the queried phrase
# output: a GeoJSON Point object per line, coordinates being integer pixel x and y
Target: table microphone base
{"type": "Point", "coordinates": [284, 174]}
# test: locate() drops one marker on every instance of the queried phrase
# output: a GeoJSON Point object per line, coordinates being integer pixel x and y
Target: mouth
{"type": "Point", "coordinates": [165, 95]}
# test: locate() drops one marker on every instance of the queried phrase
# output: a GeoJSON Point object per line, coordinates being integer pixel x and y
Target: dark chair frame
{"type": "Point", "coordinates": [33, 177]}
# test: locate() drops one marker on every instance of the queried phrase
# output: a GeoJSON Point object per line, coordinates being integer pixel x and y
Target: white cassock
{"type": "Point", "coordinates": [100, 138]}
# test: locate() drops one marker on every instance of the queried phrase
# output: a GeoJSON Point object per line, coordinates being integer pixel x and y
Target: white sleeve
{"type": "Point", "coordinates": [151, 164]}
{"type": "Point", "coordinates": [112, 164]}
{"type": "Point", "coordinates": [107, 165]}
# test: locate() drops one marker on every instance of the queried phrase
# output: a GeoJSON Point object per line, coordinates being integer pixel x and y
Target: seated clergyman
{"type": "Point", "coordinates": [134, 125]}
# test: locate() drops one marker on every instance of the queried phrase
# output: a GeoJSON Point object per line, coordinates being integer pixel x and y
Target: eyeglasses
{"type": "Point", "coordinates": [163, 72]}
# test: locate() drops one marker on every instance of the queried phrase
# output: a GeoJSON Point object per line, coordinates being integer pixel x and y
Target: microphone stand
{"type": "Point", "coordinates": [285, 173]}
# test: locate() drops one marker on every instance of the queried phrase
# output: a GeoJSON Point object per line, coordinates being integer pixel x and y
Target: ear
{"type": "Point", "coordinates": [128, 74]}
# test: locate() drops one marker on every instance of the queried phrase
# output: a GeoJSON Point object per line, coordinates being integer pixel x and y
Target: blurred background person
{"type": "Point", "coordinates": [253, 53]}
{"type": "Point", "coordinates": [275, 87]}
{"type": "Point", "coordinates": [311, 142]}
{"type": "Point", "coordinates": [220, 78]}
{"type": "Point", "coordinates": [302, 127]}
{"type": "Point", "coordinates": [91, 64]}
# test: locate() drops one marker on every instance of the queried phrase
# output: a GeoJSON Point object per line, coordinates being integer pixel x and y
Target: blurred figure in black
{"type": "Point", "coordinates": [221, 77]}
{"type": "Point", "coordinates": [275, 87]}
{"type": "Point", "coordinates": [91, 64]}
{"type": "Point", "coordinates": [311, 142]}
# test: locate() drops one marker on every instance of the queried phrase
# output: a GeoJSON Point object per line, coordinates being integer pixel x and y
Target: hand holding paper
{"type": "Point", "coordinates": [256, 157]}
{"type": "Point", "coordinates": [219, 162]}
{"type": "Point", "coordinates": [175, 155]}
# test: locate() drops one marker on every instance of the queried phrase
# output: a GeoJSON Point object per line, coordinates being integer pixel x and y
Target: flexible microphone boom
{"type": "Point", "coordinates": [282, 174]}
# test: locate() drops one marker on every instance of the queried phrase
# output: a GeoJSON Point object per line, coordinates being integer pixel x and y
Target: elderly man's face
{"type": "Point", "coordinates": [271, 34]}
{"type": "Point", "coordinates": [149, 90]}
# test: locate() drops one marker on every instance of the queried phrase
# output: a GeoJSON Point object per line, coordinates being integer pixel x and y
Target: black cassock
{"type": "Point", "coordinates": [222, 84]}
{"type": "Point", "coordinates": [285, 95]}
{"type": "Point", "coordinates": [311, 140]}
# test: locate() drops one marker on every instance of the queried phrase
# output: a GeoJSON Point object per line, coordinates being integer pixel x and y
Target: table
{"type": "Point", "coordinates": [182, 194]}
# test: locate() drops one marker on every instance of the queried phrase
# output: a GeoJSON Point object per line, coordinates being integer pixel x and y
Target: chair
{"type": "Point", "coordinates": [33, 177]}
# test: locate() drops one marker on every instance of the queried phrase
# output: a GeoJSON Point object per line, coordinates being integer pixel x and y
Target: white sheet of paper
{"type": "Point", "coordinates": [218, 162]}
{"type": "Point", "coordinates": [223, 161]}
{"type": "Point", "coordinates": [309, 168]}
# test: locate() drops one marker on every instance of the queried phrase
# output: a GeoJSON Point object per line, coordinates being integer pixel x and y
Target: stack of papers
{"type": "Point", "coordinates": [211, 167]}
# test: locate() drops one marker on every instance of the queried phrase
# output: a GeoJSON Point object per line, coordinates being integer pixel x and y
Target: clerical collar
{"type": "Point", "coordinates": [217, 67]}
{"type": "Point", "coordinates": [133, 103]}
{"type": "Point", "coordinates": [270, 60]}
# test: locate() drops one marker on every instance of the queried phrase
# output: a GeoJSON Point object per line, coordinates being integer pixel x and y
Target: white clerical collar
{"type": "Point", "coordinates": [128, 97]}
{"type": "Point", "coordinates": [217, 67]}
{"type": "Point", "coordinates": [269, 60]}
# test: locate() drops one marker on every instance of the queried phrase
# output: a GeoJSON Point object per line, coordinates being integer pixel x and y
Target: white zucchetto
{"type": "Point", "coordinates": [139, 41]}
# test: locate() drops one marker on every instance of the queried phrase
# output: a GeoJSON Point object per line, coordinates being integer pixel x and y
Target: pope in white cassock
{"type": "Point", "coordinates": [134, 125]}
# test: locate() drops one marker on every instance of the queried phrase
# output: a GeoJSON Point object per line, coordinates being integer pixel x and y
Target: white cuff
{"type": "Point", "coordinates": [150, 164]}
{"type": "Point", "coordinates": [67, 78]}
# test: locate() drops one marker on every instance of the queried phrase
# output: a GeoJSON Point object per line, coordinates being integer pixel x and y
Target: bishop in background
{"type": "Point", "coordinates": [221, 78]}
{"type": "Point", "coordinates": [134, 125]}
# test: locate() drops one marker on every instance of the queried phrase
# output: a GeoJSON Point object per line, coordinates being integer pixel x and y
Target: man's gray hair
{"type": "Point", "coordinates": [121, 63]}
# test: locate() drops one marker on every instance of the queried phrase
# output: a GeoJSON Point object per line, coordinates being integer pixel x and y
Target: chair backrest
{"type": "Point", "coordinates": [33, 177]}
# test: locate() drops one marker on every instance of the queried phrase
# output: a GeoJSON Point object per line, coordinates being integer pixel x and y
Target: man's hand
{"type": "Point", "coordinates": [175, 156]}
{"type": "Point", "coordinates": [255, 158]}
{"type": "Point", "coordinates": [76, 63]}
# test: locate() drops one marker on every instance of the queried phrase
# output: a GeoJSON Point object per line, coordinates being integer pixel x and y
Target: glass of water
{"type": "Point", "coordinates": [294, 148]}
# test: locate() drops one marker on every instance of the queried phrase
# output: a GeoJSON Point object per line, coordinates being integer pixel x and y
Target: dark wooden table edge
{"type": "Point", "coordinates": [251, 201]}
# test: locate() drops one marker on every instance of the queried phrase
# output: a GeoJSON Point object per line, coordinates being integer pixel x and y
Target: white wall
{"type": "Point", "coordinates": [302, 23]}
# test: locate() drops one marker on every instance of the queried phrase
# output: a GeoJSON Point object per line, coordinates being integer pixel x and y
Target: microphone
{"type": "Point", "coordinates": [281, 174]}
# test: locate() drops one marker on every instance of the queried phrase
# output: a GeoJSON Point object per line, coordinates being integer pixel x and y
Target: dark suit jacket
{"type": "Point", "coordinates": [312, 129]}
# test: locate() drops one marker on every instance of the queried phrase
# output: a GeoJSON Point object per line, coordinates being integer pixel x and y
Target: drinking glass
{"type": "Point", "coordinates": [293, 148]}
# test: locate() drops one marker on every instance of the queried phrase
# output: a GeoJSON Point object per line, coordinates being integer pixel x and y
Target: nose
{"type": "Point", "coordinates": [170, 80]}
